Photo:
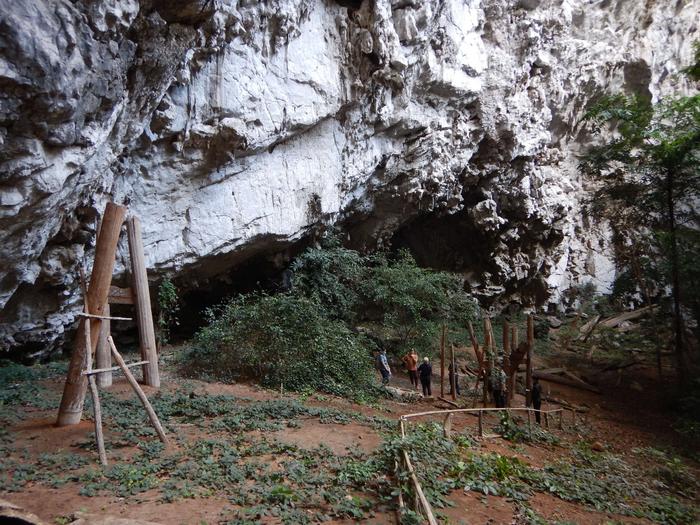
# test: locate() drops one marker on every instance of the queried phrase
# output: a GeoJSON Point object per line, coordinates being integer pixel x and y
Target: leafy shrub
{"type": "Point", "coordinates": [414, 302]}
{"type": "Point", "coordinates": [284, 340]}
{"type": "Point", "coordinates": [332, 276]}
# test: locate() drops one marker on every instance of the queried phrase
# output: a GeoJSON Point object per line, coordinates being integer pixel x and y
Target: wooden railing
{"type": "Point", "coordinates": [422, 503]}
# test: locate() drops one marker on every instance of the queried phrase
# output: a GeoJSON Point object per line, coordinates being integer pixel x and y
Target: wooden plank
{"type": "Point", "coordinates": [120, 295]}
{"type": "Point", "coordinates": [103, 355]}
{"type": "Point", "coordinates": [448, 402]}
{"type": "Point", "coordinates": [144, 317]}
{"type": "Point", "coordinates": [139, 392]}
{"type": "Point", "coordinates": [71, 409]}
{"type": "Point", "coordinates": [104, 317]}
{"type": "Point", "coordinates": [111, 368]}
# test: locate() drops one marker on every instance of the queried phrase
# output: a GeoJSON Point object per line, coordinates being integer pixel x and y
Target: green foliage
{"type": "Point", "coordinates": [649, 175]}
{"type": "Point", "coordinates": [283, 340]}
{"type": "Point", "coordinates": [412, 303]}
{"type": "Point", "coordinates": [332, 276]}
{"type": "Point", "coordinates": [168, 307]}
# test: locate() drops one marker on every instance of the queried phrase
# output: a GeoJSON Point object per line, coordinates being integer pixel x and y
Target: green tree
{"type": "Point", "coordinates": [648, 168]}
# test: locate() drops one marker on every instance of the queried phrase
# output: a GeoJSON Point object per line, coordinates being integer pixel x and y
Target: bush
{"type": "Point", "coordinates": [330, 275]}
{"type": "Point", "coordinates": [284, 340]}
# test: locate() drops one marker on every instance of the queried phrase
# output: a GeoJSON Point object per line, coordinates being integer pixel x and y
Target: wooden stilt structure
{"type": "Point", "coordinates": [97, 315]}
{"type": "Point", "coordinates": [71, 408]}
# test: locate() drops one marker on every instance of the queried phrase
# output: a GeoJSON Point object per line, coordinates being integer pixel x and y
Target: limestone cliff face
{"type": "Point", "coordinates": [234, 127]}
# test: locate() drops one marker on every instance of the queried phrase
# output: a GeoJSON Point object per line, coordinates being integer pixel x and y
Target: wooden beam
{"type": "Point", "coordinates": [112, 368]}
{"type": "Point", "coordinates": [104, 317]}
{"type": "Point", "coordinates": [144, 317]}
{"type": "Point", "coordinates": [120, 295]}
{"type": "Point", "coordinates": [103, 355]}
{"type": "Point", "coordinates": [139, 392]}
{"type": "Point", "coordinates": [71, 409]}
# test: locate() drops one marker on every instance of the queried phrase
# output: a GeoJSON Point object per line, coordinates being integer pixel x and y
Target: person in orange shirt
{"type": "Point", "coordinates": [411, 362]}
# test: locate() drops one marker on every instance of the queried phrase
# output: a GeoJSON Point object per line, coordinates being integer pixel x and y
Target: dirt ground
{"type": "Point", "coordinates": [620, 420]}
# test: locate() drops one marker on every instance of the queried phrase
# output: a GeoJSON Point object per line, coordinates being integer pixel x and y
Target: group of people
{"type": "Point", "coordinates": [424, 372]}
{"type": "Point", "coordinates": [497, 382]}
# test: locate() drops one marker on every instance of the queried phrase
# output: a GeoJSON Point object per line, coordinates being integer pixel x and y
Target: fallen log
{"type": "Point", "coordinates": [621, 366]}
{"type": "Point", "coordinates": [565, 404]}
{"type": "Point", "coordinates": [587, 329]}
{"type": "Point", "coordinates": [612, 322]}
{"type": "Point", "coordinates": [552, 378]}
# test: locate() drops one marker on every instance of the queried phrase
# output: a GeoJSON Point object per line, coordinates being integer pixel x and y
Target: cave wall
{"type": "Point", "coordinates": [234, 128]}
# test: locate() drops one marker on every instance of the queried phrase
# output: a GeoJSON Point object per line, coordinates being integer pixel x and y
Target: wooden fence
{"type": "Point", "coordinates": [422, 504]}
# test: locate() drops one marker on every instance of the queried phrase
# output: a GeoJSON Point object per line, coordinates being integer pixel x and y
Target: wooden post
{"type": "Point", "coordinates": [139, 392]}
{"type": "Point", "coordinates": [71, 409]}
{"type": "Point", "coordinates": [103, 355]}
{"type": "Point", "coordinates": [442, 362]}
{"type": "Point", "coordinates": [481, 423]}
{"type": "Point", "coordinates": [454, 373]}
{"type": "Point", "coordinates": [530, 348]}
{"type": "Point", "coordinates": [447, 425]}
{"type": "Point", "coordinates": [546, 420]}
{"type": "Point", "coordinates": [144, 317]}
{"type": "Point", "coordinates": [506, 360]}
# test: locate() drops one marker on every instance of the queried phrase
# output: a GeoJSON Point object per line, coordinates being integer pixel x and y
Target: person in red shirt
{"type": "Point", "coordinates": [411, 362]}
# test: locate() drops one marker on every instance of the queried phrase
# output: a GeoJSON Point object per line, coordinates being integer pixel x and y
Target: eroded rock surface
{"type": "Point", "coordinates": [235, 127]}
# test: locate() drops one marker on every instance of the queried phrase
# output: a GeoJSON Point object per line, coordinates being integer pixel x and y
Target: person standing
{"type": "Point", "coordinates": [411, 362]}
{"type": "Point", "coordinates": [383, 367]}
{"type": "Point", "coordinates": [426, 372]}
{"type": "Point", "coordinates": [537, 398]}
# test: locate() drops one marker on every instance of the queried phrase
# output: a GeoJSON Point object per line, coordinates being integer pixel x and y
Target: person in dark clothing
{"type": "Point", "coordinates": [425, 371]}
{"type": "Point", "coordinates": [537, 398]}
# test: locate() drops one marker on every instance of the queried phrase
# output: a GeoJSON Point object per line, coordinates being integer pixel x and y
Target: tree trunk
{"type": "Point", "coordinates": [675, 279]}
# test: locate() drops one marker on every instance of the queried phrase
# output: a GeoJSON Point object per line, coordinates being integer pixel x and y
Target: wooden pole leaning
{"type": "Point", "coordinates": [144, 317]}
{"type": "Point", "coordinates": [99, 436]}
{"type": "Point", "coordinates": [420, 495]}
{"type": "Point", "coordinates": [71, 409]}
{"type": "Point", "coordinates": [139, 392]}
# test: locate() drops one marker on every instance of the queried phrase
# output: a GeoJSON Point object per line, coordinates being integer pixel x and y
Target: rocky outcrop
{"type": "Point", "coordinates": [235, 127]}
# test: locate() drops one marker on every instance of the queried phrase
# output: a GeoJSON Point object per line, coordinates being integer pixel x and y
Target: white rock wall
{"type": "Point", "coordinates": [226, 125]}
